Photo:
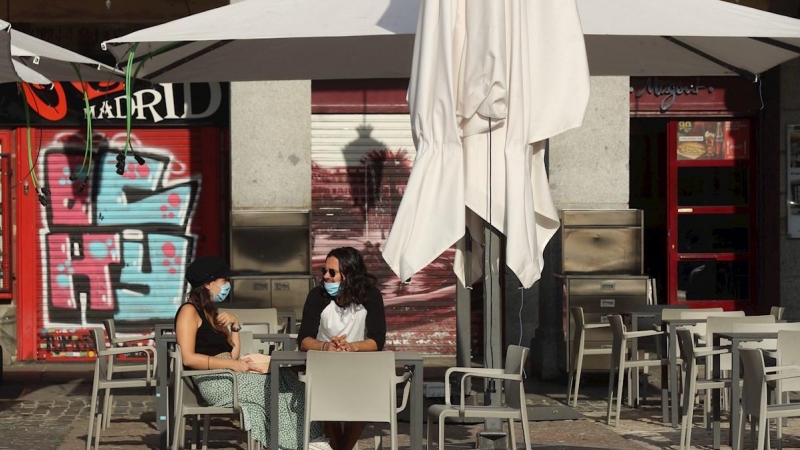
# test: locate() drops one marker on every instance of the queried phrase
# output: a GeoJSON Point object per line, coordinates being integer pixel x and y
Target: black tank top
{"type": "Point", "coordinates": [208, 341]}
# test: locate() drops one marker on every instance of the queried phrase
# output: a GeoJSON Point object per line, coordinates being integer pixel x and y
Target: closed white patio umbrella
{"type": "Point", "coordinates": [490, 82]}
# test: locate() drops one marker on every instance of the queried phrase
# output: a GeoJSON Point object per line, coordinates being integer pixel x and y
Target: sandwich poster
{"type": "Point", "coordinates": [713, 139]}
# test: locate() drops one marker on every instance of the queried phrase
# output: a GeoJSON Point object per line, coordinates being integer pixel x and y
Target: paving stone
{"type": "Point", "coordinates": [53, 413]}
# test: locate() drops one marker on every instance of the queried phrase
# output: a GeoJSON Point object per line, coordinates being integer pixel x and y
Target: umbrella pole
{"type": "Point", "coordinates": [464, 313]}
{"type": "Point", "coordinates": [493, 435]}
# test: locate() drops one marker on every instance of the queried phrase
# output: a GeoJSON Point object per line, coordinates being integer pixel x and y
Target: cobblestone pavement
{"type": "Point", "coordinates": [41, 412]}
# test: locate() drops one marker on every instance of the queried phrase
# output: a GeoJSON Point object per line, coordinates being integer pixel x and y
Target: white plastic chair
{"type": "Point", "coordinates": [777, 311]}
{"type": "Point", "coordinates": [579, 351]}
{"type": "Point", "coordinates": [259, 321]}
{"type": "Point", "coordinates": [787, 355]}
{"type": "Point", "coordinates": [514, 408]}
{"type": "Point", "coordinates": [621, 364]}
{"type": "Point", "coordinates": [353, 387]}
{"type": "Point", "coordinates": [722, 324]}
{"type": "Point", "coordinates": [189, 402]}
{"type": "Point", "coordinates": [691, 382]}
{"type": "Point", "coordinates": [103, 380]}
{"type": "Point", "coordinates": [115, 366]}
{"type": "Point", "coordinates": [754, 403]}
{"type": "Point", "coordinates": [699, 329]}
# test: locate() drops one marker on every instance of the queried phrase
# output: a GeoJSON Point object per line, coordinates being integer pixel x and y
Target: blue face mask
{"type": "Point", "coordinates": [224, 290]}
{"type": "Point", "coordinates": [332, 288]}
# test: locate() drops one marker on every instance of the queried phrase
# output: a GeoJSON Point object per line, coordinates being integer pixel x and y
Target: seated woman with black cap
{"type": "Point", "coordinates": [210, 340]}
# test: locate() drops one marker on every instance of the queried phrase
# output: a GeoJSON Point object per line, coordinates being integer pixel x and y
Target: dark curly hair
{"type": "Point", "coordinates": [355, 278]}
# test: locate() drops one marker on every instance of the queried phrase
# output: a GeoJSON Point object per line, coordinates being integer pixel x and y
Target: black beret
{"type": "Point", "coordinates": [207, 269]}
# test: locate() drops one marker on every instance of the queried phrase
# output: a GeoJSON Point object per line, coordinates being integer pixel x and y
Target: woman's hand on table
{"type": "Point", "coordinates": [258, 362]}
{"type": "Point", "coordinates": [242, 365]}
{"type": "Point", "coordinates": [340, 344]}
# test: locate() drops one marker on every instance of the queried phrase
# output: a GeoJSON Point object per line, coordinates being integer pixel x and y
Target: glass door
{"type": "Point", "coordinates": [711, 213]}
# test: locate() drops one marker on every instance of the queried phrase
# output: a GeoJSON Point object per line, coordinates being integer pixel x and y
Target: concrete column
{"type": "Point", "coordinates": [589, 168]}
{"type": "Point", "coordinates": [271, 145]}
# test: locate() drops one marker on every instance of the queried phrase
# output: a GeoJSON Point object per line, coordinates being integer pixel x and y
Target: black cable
{"type": "Point", "coordinates": [188, 9]}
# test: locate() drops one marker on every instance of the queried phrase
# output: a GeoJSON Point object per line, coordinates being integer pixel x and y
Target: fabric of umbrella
{"type": "Point", "coordinates": [278, 40]}
{"type": "Point", "coordinates": [32, 60]}
{"type": "Point", "coordinates": [490, 82]}
{"type": "Point", "coordinates": [329, 39]}
{"type": "Point", "coordinates": [685, 38]}
{"type": "Point", "coordinates": [24, 58]}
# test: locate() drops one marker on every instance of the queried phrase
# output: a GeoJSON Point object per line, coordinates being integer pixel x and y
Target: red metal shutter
{"type": "Point", "coordinates": [118, 248]}
{"type": "Point", "coordinates": [360, 167]}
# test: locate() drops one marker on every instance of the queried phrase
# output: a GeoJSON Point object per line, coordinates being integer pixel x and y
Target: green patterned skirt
{"type": "Point", "coordinates": [254, 398]}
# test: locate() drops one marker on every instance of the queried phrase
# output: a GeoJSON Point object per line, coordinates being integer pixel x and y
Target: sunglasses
{"type": "Point", "coordinates": [330, 272]}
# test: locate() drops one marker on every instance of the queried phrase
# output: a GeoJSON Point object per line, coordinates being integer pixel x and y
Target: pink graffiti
{"type": "Point", "coordinates": [88, 255]}
{"type": "Point", "coordinates": [168, 249]}
{"type": "Point", "coordinates": [71, 207]}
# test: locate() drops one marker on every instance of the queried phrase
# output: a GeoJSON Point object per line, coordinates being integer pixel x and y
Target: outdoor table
{"type": "Point", "coordinates": [165, 341]}
{"type": "Point", "coordinates": [411, 360]}
{"type": "Point", "coordinates": [671, 373]}
{"type": "Point", "coordinates": [736, 338]}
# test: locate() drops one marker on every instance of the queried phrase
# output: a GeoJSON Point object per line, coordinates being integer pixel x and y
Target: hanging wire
{"type": "Point", "coordinates": [41, 193]}
{"type": "Point", "coordinates": [39, 150]}
{"type": "Point", "coordinates": [130, 77]}
{"type": "Point", "coordinates": [760, 92]}
{"type": "Point", "coordinates": [88, 152]}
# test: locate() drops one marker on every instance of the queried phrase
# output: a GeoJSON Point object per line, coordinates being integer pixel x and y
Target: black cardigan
{"type": "Point", "coordinates": [317, 301]}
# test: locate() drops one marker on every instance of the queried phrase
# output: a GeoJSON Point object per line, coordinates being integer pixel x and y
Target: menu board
{"type": "Point", "coordinates": [793, 181]}
{"type": "Point", "coordinates": [722, 139]}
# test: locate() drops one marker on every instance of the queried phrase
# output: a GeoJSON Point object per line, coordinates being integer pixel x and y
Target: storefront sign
{"type": "Point", "coordinates": [669, 91]}
{"type": "Point", "coordinates": [662, 95]}
{"type": "Point", "coordinates": [793, 181]}
{"type": "Point", "coordinates": [159, 104]}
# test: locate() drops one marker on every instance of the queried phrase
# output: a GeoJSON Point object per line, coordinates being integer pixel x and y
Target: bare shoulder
{"type": "Point", "coordinates": [188, 314]}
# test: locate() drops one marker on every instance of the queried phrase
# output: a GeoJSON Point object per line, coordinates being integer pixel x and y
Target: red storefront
{"type": "Point", "coordinates": [700, 169]}
{"type": "Point", "coordinates": [108, 245]}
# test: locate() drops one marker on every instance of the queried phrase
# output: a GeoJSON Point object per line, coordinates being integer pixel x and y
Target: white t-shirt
{"type": "Point", "coordinates": [336, 321]}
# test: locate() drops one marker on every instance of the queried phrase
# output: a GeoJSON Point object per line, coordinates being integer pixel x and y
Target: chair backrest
{"type": "Point", "coordinates": [700, 327]}
{"type": "Point", "coordinates": [777, 311]}
{"type": "Point", "coordinates": [515, 364]}
{"type": "Point", "coordinates": [350, 387]}
{"type": "Point", "coordinates": [580, 321]}
{"type": "Point", "coordinates": [245, 343]}
{"type": "Point", "coordinates": [686, 345]}
{"type": "Point", "coordinates": [100, 344]}
{"type": "Point", "coordinates": [250, 317]}
{"type": "Point", "coordinates": [755, 386]}
{"type": "Point", "coordinates": [655, 343]}
{"type": "Point", "coordinates": [789, 356]}
{"type": "Point", "coordinates": [721, 324]}
{"type": "Point", "coordinates": [674, 312]}
{"type": "Point", "coordinates": [108, 324]}
{"type": "Point", "coordinates": [176, 362]}
{"type": "Point", "coordinates": [617, 330]}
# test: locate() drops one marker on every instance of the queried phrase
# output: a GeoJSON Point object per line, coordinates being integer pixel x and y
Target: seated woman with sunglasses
{"type": "Point", "coordinates": [345, 314]}
{"type": "Point", "coordinates": [210, 340]}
